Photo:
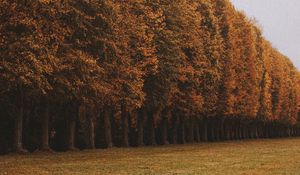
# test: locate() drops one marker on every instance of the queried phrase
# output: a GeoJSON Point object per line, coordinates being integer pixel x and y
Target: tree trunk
{"type": "Point", "coordinates": [256, 131]}
{"type": "Point", "coordinates": [262, 134]}
{"type": "Point", "coordinates": [241, 136]}
{"type": "Point", "coordinates": [259, 130]}
{"type": "Point", "coordinates": [266, 130]}
{"type": "Point", "coordinates": [196, 130]}
{"type": "Point", "coordinates": [18, 140]}
{"type": "Point", "coordinates": [107, 129]}
{"type": "Point", "coordinates": [165, 131]}
{"type": "Point", "coordinates": [72, 129]}
{"type": "Point", "coordinates": [211, 134]}
{"type": "Point", "coordinates": [233, 130]}
{"type": "Point", "coordinates": [18, 133]}
{"type": "Point", "coordinates": [190, 128]}
{"type": "Point", "coordinates": [289, 131]}
{"type": "Point", "coordinates": [141, 121]}
{"type": "Point", "coordinates": [182, 131]}
{"type": "Point", "coordinates": [271, 130]}
{"type": "Point", "coordinates": [92, 133]}
{"type": "Point", "coordinates": [251, 131]}
{"type": "Point", "coordinates": [204, 137]}
{"type": "Point", "coordinates": [237, 130]}
{"type": "Point", "coordinates": [252, 128]}
{"type": "Point", "coordinates": [152, 138]}
{"type": "Point", "coordinates": [244, 131]}
{"type": "Point", "coordinates": [294, 131]}
{"type": "Point", "coordinates": [225, 130]}
{"type": "Point", "coordinates": [217, 129]}
{"type": "Point", "coordinates": [45, 127]}
{"type": "Point", "coordinates": [222, 129]}
{"type": "Point", "coordinates": [175, 129]}
{"type": "Point", "coordinates": [125, 117]}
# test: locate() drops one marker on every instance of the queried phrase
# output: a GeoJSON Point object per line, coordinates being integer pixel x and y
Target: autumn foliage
{"type": "Point", "coordinates": [99, 73]}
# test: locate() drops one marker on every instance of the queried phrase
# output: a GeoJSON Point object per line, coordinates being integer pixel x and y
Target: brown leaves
{"type": "Point", "coordinates": [198, 57]}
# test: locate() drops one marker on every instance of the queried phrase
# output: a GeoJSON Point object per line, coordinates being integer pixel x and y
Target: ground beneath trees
{"type": "Point", "coordinates": [280, 156]}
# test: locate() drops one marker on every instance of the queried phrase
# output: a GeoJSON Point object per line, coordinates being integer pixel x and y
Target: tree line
{"type": "Point", "coordinates": [78, 74]}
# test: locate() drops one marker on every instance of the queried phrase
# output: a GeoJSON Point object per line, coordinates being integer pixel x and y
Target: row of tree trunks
{"type": "Point", "coordinates": [176, 130]}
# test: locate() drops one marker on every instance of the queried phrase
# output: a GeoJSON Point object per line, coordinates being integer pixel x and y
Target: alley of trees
{"type": "Point", "coordinates": [85, 74]}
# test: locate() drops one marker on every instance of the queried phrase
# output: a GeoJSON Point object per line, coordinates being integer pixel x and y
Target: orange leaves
{"type": "Point", "coordinates": [198, 57]}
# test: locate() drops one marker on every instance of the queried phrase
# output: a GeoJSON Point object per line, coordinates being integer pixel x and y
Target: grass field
{"type": "Point", "coordinates": [280, 156]}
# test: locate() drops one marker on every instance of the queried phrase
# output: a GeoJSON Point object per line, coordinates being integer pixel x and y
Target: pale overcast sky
{"type": "Point", "coordinates": [280, 20]}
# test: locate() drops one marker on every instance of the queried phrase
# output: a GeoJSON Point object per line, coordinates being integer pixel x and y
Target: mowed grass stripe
{"type": "Point", "coordinates": [278, 156]}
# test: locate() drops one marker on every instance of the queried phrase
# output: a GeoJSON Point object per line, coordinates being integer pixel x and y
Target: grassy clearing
{"type": "Point", "coordinates": [280, 156]}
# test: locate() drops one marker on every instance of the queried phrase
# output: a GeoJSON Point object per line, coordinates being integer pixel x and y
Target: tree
{"type": "Point", "coordinates": [26, 58]}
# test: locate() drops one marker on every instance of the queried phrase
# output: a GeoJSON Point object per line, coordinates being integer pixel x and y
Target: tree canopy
{"type": "Point", "coordinates": [168, 67]}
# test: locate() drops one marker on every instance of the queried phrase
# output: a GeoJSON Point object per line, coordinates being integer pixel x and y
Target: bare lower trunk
{"type": "Point", "coordinates": [107, 129]}
{"type": "Point", "coordinates": [45, 128]}
{"type": "Point", "coordinates": [217, 129]}
{"type": "Point", "coordinates": [233, 131]}
{"type": "Point", "coordinates": [289, 131]}
{"type": "Point", "coordinates": [211, 130]}
{"type": "Point", "coordinates": [241, 130]}
{"type": "Point", "coordinates": [244, 131]}
{"type": "Point", "coordinates": [182, 131]}
{"type": "Point", "coordinates": [204, 137]}
{"type": "Point", "coordinates": [227, 130]}
{"type": "Point", "coordinates": [252, 128]}
{"type": "Point", "coordinates": [190, 128]}
{"type": "Point", "coordinates": [152, 138]}
{"type": "Point", "coordinates": [18, 140]}
{"type": "Point", "coordinates": [125, 117]}
{"type": "Point", "coordinates": [141, 120]}
{"type": "Point", "coordinates": [267, 130]}
{"type": "Point", "coordinates": [92, 133]}
{"type": "Point", "coordinates": [175, 129]}
{"type": "Point", "coordinates": [222, 130]}
{"type": "Point", "coordinates": [237, 131]}
{"type": "Point", "coordinates": [260, 131]}
{"type": "Point", "coordinates": [256, 131]}
{"type": "Point", "coordinates": [165, 131]}
{"type": "Point", "coordinates": [196, 130]}
{"type": "Point", "coordinates": [72, 128]}
{"type": "Point", "coordinates": [18, 132]}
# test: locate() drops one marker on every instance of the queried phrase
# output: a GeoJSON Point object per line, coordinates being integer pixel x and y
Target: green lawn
{"type": "Point", "coordinates": [280, 156]}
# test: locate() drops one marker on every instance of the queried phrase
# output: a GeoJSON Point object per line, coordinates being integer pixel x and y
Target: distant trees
{"type": "Point", "coordinates": [98, 73]}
